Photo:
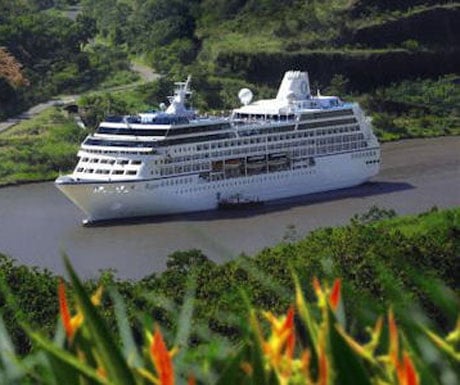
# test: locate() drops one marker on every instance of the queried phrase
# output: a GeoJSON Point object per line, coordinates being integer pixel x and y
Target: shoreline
{"type": "Point", "coordinates": [34, 181]}
{"type": "Point", "coordinates": [416, 175]}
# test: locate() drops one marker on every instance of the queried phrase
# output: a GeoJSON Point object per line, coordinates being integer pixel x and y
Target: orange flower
{"type": "Point", "coordinates": [322, 295]}
{"type": "Point", "coordinates": [71, 324]}
{"type": "Point", "coordinates": [334, 297]}
{"type": "Point", "coordinates": [405, 370]}
{"type": "Point", "coordinates": [282, 340]}
{"type": "Point", "coordinates": [394, 342]}
{"type": "Point", "coordinates": [64, 311]}
{"type": "Point", "coordinates": [406, 373]}
{"type": "Point", "coordinates": [317, 287]}
{"type": "Point", "coordinates": [289, 328]}
{"type": "Point", "coordinates": [161, 358]}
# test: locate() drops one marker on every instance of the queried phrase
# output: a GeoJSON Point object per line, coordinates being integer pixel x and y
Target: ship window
{"type": "Point", "coordinates": [131, 172]}
{"type": "Point", "coordinates": [84, 160]}
{"type": "Point", "coordinates": [104, 161]}
{"type": "Point", "coordinates": [80, 169]}
{"type": "Point", "coordinates": [136, 162]}
{"type": "Point", "coordinates": [117, 172]}
{"type": "Point", "coordinates": [94, 160]}
{"type": "Point", "coordinates": [90, 170]}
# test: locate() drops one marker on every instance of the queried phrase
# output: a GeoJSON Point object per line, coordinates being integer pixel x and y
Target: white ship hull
{"type": "Point", "coordinates": [134, 198]}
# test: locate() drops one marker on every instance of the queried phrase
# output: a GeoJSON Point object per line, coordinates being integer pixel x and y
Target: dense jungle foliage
{"type": "Point", "coordinates": [348, 47]}
{"type": "Point", "coordinates": [408, 262]}
{"type": "Point", "coordinates": [310, 343]}
{"type": "Point", "coordinates": [352, 48]}
{"type": "Point", "coordinates": [48, 52]}
{"type": "Point", "coordinates": [235, 38]}
{"type": "Point", "coordinates": [399, 59]}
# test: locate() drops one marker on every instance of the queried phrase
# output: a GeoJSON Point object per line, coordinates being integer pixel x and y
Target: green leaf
{"type": "Point", "coordinates": [11, 369]}
{"type": "Point", "coordinates": [64, 372]}
{"type": "Point", "coordinates": [184, 326]}
{"type": "Point", "coordinates": [129, 347]}
{"type": "Point", "coordinates": [426, 372]}
{"type": "Point", "coordinates": [233, 373]}
{"type": "Point", "coordinates": [308, 328]}
{"type": "Point", "coordinates": [348, 366]}
{"type": "Point", "coordinates": [109, 353]}
{"type": "Point", "coordinates": [256, 356]}
{"type": "Point", "coordinates": [67, 364]}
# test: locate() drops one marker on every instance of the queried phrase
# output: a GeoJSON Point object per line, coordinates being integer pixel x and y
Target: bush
{"type": "Point", "coordinates": [309, 344]}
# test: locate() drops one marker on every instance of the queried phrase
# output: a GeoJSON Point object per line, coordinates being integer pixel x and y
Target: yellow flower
{"type": "Point", "coordinates": [327, 296]}
{"type": "Point", "coordinates": [282, 339]}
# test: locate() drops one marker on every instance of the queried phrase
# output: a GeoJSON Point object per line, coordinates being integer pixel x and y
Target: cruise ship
{"type": "Point", "coordinates": [175, 161]}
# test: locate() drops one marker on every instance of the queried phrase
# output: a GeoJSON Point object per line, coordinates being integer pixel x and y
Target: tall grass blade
{"type": "Point", "coordinates": [68, 364]}
{"type": "Point", "coordinates": [128, 345]}
{"type": "Point", "coordinates": [10, 369]}
{"type": "Point", "coordinates": [348, 365]}
{"type": "Point", "coordinates": [110, 355]}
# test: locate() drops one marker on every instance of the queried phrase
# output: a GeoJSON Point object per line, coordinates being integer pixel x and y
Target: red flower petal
{"type": "Point", "coordinates": [64, 310]}
{"type": "Point", "coordinates": [289, 325]}
{"type": "Point", "coordinates": [410, 372]}
{"type": "Point", "coordinates": [334, 297]}
{"type": "Point", "coordinates": [161, 359]}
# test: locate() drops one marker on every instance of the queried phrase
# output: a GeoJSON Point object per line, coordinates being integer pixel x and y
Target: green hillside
{"type": "Point", "coordinates": [348, 47]}
{"type": "Point", "coordinates": [353, 48]}
{"type": "Point", "coordinates": [44, 52]}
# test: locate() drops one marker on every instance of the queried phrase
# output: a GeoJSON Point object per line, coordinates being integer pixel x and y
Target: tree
{"type": "Point", "coordinates": [11, 69]}
{"type": "Point", "coordinates": [95, 107]}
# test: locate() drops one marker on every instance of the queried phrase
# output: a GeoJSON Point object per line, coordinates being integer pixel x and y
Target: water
{"type": "Point", "coordinates": [38, 224]}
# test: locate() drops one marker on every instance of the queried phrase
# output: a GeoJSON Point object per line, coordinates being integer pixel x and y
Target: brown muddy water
{"type": "Point", "coordinates": [38, 224]}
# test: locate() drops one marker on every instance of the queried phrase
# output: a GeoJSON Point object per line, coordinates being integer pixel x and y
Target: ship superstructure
{"type": "Point", "coordinates": [172, 160]}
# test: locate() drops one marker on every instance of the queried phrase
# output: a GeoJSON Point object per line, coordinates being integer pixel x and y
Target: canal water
{"type": "Point", "coordinates": [38, 224]}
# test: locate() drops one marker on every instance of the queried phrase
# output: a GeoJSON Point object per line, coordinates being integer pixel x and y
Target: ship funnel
{"type": "Point", "coordinates": [294, 86]}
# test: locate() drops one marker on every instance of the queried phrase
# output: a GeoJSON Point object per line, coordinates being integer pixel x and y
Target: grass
{"type": "Point", "coordinates": [37, 149]}
{"type": "Point", "coordinates": [383, 18]}
{"type": "Point", "coordinates": [416, 109]}
{"type": "Point", "coordinates": [119, 78]}
{"type": "Point", "coordinates": [423, 223]}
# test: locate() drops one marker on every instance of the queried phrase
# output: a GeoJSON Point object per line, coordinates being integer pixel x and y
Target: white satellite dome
{"type": "Point", "coordinates": [245, 95]}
